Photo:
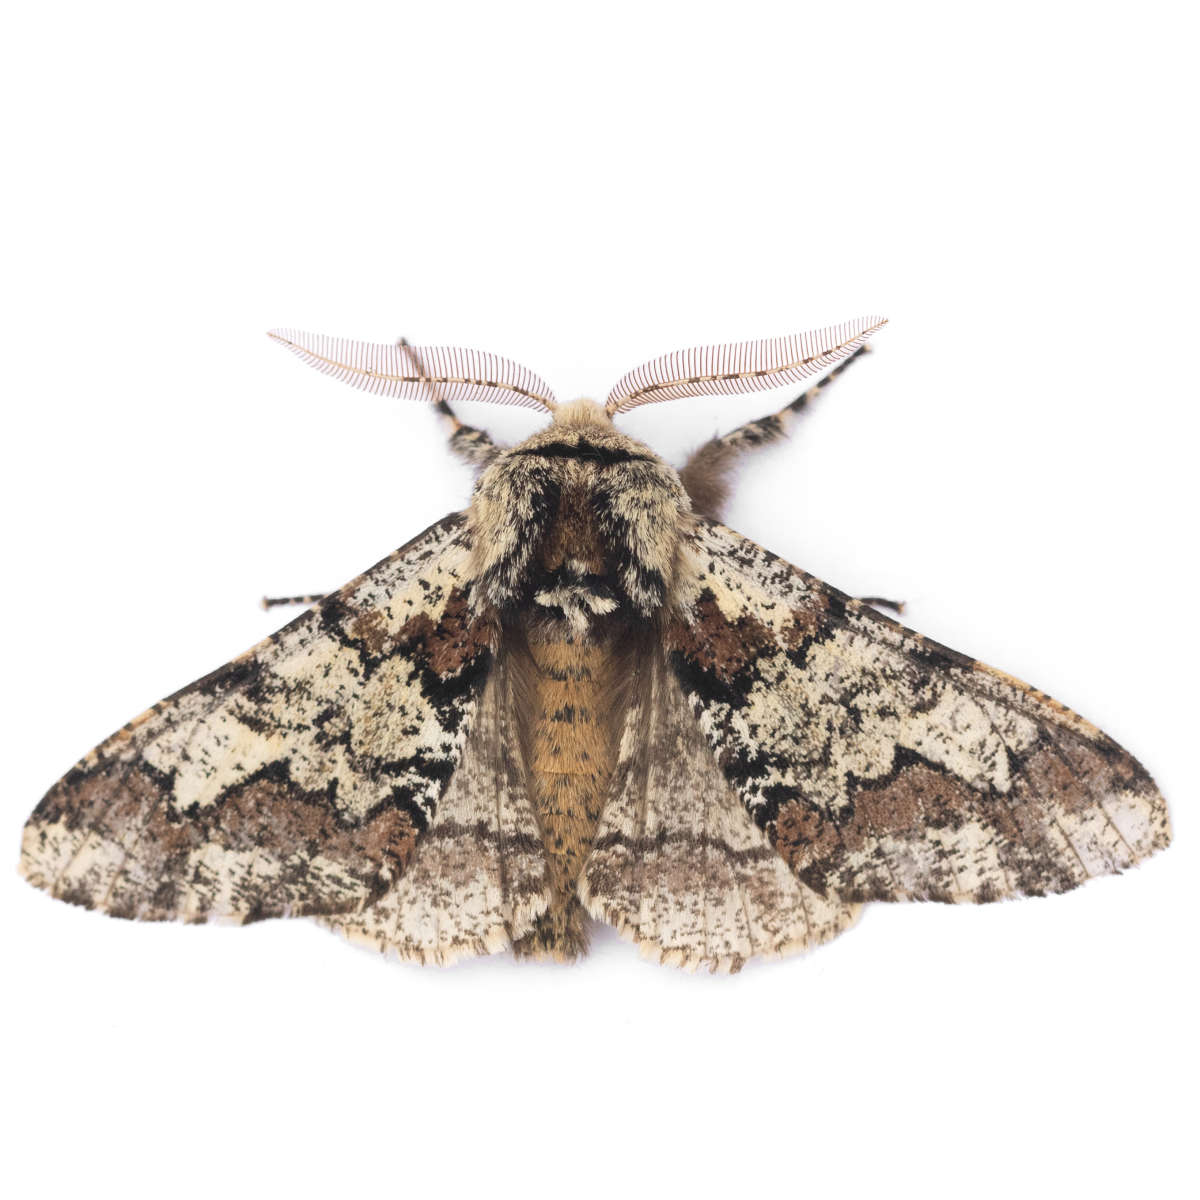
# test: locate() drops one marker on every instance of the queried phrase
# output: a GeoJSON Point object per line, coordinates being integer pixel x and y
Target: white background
{"type": "Point", "coordinates": [581, 188]}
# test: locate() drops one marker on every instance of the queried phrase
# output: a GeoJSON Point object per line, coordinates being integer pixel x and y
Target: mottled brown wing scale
{"type": "Point", "coordinates": [884, 766]}
{"type": "Point", "coordinates": [296, 779]}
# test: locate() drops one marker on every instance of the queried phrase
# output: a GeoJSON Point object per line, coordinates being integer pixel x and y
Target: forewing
{"type": "Point", "coordinates": [885, 766]}
{"type": "Point", "coordinates": [295, 779]}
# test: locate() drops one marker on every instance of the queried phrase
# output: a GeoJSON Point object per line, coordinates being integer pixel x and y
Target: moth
{"type": "Point", "coordinates": [585, 697]}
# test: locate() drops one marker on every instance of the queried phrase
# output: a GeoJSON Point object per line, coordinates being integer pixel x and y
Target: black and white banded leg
{"type": "Point", "coordinates": [473, 446]}
{"type": "Point", "coordinates": [706, 474]}
{"type": "Point", "coordinates": [281, 601]}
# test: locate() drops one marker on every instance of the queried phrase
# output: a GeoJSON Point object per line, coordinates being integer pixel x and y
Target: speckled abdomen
{"type": "Point", "coordinates": [570, 758]}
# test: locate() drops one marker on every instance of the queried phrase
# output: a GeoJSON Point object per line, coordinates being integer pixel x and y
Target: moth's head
{"type": "Point", "coordinates": [585, 423]}
{"type": "Point", "coordinates": [581, 414]}
{"type": "Point", "coordinates": [581, 436]}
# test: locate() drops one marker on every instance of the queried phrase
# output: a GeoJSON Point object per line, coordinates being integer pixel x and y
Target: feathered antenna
{"type": "Point", "coordinates": [740, 366]}
{"type": "Point", "coordinates": [435, 396]}
{"type": "Point", "coordinates": [418, 372]}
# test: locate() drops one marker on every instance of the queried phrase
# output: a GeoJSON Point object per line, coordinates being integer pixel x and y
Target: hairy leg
{"type": "Point", "coordinates": [473, 446]}
{"type": "Point", "coordinates": [897, 606]}
{"type": "Point", "coordinates": [706, 474]}
{"type": "Point", "coordinates": [283, 601]}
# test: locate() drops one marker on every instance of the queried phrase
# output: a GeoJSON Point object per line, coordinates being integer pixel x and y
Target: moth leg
{"type": "Point", "coordinates": [706, 474]}
{"type": "Point", "coordinates": [473, 446]}
{"type": "Point", "coordinates": [280, 601]}
{"type": "Point", "coordinates": [897, 606]}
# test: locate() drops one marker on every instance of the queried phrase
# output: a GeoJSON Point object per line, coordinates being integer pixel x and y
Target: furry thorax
{"type": "Point", "coordinates": [620, 512]}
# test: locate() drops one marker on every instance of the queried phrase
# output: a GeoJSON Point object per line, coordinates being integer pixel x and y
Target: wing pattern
{"type": "Point", "coordinates": [480, 879]}
{"type": "Point", "coordinates": [883, 765]}
{"type": "Point", "coordinates": [677, 866]}
{"type": "Point", "coordinates": [295, 779]}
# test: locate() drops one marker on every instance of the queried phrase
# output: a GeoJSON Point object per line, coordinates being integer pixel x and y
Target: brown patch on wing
{"type": "Point", "coordinates": [919, 794]}
{"type": "Point", "coordinates": [801, 834]}
{"type": "Point", "coordinates": [807, 621]}
{"type": "Point", "coordinates": [1051, 778]}
{"type": "Point", "coordinates": [371, 629]}
{"type": "Point", "coordinates": [884, 841]}
{"type": "Point", "coordinates": [267, 812]}
{"type": "Point", "coordinates": [716, 644]}
{"type": "Point", "coordinates": [148, 861]}
{"type": "Point", "coordinates": [1073, 771]}
{"type": "Point", "coordinates": [918, 798]}
{"type": "Point", "coordinates": [456, 639]}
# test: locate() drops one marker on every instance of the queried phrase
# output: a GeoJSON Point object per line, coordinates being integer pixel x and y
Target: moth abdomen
{"type": "Point", "coordinates": [569, 762]}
